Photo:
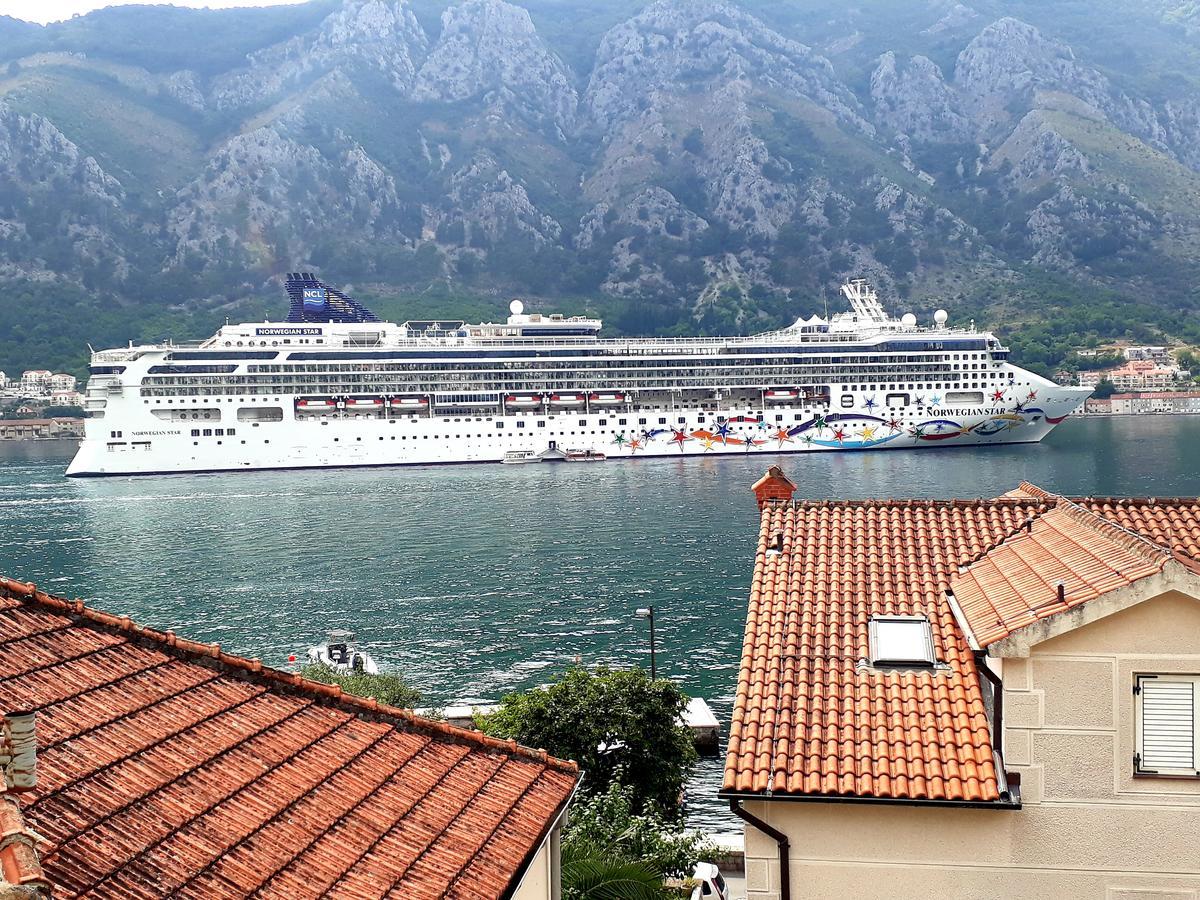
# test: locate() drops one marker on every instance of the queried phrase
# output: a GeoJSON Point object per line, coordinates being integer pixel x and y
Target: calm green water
{"type": "Point", "coordinates": [476, 580]}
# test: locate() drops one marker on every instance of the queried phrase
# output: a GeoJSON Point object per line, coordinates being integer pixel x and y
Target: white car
{"type": "Point", "coordinates": [711, 885]}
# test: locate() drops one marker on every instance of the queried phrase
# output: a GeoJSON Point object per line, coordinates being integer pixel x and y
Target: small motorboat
{"type": "Point", "coordinates": [520, 457]}
{"type": "Point", "coordinates": [585, 456]}
{"type": "Point", "coordinates": [343, 655]}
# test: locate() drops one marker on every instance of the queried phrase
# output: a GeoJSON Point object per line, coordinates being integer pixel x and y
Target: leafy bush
{"type": "Point", "coordinates": [620, 727]}
{"type": "Point", "coordinates": [1104, 389]}
{"type": "Point", "coordinates": [386, 687]}
{"type": "Point", "coordinates": [606, 825]}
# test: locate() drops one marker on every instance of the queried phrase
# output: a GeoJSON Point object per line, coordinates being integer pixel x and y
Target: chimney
{"type": "Point", "coordinates": [18, 751]}
{"type": "Point", "coordinates": [773, 486]}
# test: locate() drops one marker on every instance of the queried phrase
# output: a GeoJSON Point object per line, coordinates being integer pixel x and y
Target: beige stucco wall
{"type": "Point", "coordinates": [1088, 828]}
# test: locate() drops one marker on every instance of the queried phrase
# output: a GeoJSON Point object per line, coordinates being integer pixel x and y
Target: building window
{"type": "Point", "coordinates": [901, 641]}
{"type": "Point", "coordinates": [1164, 718]}
{"type": "Point", "coordinates": [847, 401]}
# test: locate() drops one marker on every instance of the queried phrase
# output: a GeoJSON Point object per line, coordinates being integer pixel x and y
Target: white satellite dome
{"type": "Point", "coordinates": [941, 316]}
{"type": "Point", "coordinates": [908, 320]}
{"type": "Point", "coordinates": [516, 307]}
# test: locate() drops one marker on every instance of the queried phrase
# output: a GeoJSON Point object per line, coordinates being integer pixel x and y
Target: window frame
{"type": "Point", "coordinates": [1139, 769]}
{"type": "Point", "coordinates": [928, 662]}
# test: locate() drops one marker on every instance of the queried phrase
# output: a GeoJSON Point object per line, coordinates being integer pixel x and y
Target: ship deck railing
{"type": "Point", "coordinates": [639, 345]}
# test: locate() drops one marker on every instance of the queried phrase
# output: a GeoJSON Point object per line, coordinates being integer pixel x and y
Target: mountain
{"type": "Point", "coordinates": [677, 166]}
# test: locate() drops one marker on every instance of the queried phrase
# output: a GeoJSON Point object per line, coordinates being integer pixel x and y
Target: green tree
{"type": "Point", "coordinates": [386, 687]}
{"type": "Point", "coordinates": [619, 725]}
{"type": "Point", "coordinates": [606, 826]}
{"type": "Point", "coordinates": [1104, 389]}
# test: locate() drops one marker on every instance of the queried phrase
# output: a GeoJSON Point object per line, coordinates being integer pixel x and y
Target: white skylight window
{"type": "Point", "coordinates": [901, 641]}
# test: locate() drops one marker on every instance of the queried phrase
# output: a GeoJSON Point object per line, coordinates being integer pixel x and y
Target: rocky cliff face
{"type": "Point", "coordinates": [698, 162]}
{"type": "Point", "coordinates": [489, 50]}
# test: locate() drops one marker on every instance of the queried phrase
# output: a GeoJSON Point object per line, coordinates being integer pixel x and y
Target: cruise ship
{"type": "Point", "coordinates": [332, 385]}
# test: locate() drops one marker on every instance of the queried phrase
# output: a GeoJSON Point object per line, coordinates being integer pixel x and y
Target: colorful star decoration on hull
{"type": "Point", "coordinates": [935, 400]}
{"type": "Point", "coordinates": [867, 433]}
{"type": "Point", "coordinates": [619, 440]}
{"type": "Point", "coordinates": [708, 443]}
{"type": "Point", "coordinates": [723, 431]}
{"type": "Point", "coordinates": [870, 403]}
{"type": "Point", "coordinates": [839, 435]}
{"type": "Point", "coordinates": [893, 424]}
{"type": "Point", "coordinates": [998, 394]}
{"type": "Point", "coordinates": [635, 444]}
{"type": "Point", "coordinates": [679, 438]}
{"type": "Point", "coordinates": [783, 437]}
{"type": "Point", "coordinates": [1032, 395]}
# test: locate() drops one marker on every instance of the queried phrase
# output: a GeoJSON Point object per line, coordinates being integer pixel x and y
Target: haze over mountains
{"type": "Point", "coordinates": [672, 166]}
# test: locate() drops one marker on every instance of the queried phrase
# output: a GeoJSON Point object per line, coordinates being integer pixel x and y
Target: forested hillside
{"type": "Point", "coordinates": [674, 166]}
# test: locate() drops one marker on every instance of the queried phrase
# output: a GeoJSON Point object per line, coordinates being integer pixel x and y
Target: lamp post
{"type": "Point", "coordinates": [647, 612]}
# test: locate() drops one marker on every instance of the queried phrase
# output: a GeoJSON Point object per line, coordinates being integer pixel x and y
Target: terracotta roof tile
{"type": "Point", "coordinates": [812, 717]}
{"type": "Point", "coordinates": [168, 767]}
{"type": "Point", "coordinates": [1017, 583]}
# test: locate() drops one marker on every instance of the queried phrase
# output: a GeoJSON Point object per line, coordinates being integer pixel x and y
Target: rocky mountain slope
{"type": "Point", "coordinates": [677, 165]}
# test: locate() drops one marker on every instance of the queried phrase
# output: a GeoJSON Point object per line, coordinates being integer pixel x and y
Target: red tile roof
{"type": "Point", "coordinates": [19, 864]}
{"type": "Point", "coordinates": [1017, 583]}
{"type": "Point", "coordinates": [813, 718]}
{"type": "Point", "coordinates": [168, 767]}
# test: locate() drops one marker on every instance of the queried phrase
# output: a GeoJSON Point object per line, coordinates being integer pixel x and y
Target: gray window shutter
{"type": "Point", "coordinates": [1168, 725]}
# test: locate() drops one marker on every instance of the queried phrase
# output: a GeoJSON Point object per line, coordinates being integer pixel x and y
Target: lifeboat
{"type": "Point", "coordinates": [364, 404]}
{"type": "Point", "coordinates": [523, 401]}
{"type": "Point", "coordinates": [612, 399]}
{"type": "Point", "coordinates": [316, 405]}
{"type": "Point", "coordinates": [413, 403]}
{"type": "Point", "coordinates": [781, 395]}
{"type": "Point", "coordinates": [567, 401]}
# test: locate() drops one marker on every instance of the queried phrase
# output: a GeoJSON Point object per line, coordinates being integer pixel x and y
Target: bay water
{"type": "Point", "coordinates": [478, 580]}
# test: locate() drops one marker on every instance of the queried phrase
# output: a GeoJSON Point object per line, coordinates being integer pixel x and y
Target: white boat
{"type": "Point", "coordinates": [520, 457]}
{"type": "Point", "coordinates": [606, 399]}
{"type": "Point", "coordinates": [343, 655]}
{"type": "Point", "coordinates": [523, 401]}
{"type": "Point", "coordinates": [264, 393]}
{"type": "Point", "coordinates": [364, 404]}
{"type": "Point", "coordinates": [585, 456]}
{"type": "Point", "coordinates": [413, 404]}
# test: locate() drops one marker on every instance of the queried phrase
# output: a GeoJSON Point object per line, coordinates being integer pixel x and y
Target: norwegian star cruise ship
{"type": "Point", "coordinates": [335, 386]}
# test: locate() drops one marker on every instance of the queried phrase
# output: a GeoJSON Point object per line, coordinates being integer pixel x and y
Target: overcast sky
{"type": "Point", "coordinates": [44, 11]}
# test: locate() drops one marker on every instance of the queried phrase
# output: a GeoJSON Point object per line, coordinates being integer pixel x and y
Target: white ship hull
{"type": "Point", "coordinates": [334, 386]}
{"type": "Point", "coordinates": [147, 447]}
